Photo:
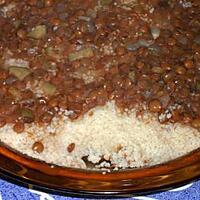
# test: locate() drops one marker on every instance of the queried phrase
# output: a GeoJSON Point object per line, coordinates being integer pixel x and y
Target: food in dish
{"type": "Point", "coordinates": [100, 84]}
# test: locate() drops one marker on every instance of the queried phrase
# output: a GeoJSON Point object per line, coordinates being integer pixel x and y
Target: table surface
{"type": "Point", "coordinates": [9, 191]}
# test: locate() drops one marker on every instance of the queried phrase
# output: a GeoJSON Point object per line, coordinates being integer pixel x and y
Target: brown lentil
{"type": "Point", "coordinates": [19, 127]}
{"type": "Point", "coordinates": [180, 70]}
{"type": "Point", "coordinates": [155, 106]}
{"type": "Point", "coordinates": [189, 64]}
{"type": "Point", "coordinates": [196, 123]}
{"type": "Point", "coordinates": [48, 3]}
{"type": "Point", "coordinates": [38, 147]}
{"type": "Point", "coordinates": [71, 147]}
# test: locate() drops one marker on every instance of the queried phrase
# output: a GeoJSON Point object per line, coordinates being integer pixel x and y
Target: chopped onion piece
{"type": "Point", "coordinates": [16, 93]}
{"type": "Point", "coordinates": [38, 32]}
{"type": "Point", "coordinates": [27, 115]}
{"type": "Point", "coordinates": [131, 75]}
{"type": "Point", "coordinates": [84, 53]}
{"type": "Point", "coordinates": [140, 43]}
{"type": "Point", "coordinates": [19, 72]}
{"type": "Point", "coordinates": [16, 62]}
{"type": "Point", "coordinates": [48, 88]}
{"type": "Point", "coordinates": [155, 31]}
{"type": "Point", "coordinates": [105, 2]}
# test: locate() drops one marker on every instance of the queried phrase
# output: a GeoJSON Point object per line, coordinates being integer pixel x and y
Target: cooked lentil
{"type": "Point", "coordinates": [38, 147]}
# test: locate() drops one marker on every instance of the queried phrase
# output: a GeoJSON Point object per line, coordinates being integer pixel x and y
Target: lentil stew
{"type": "Point", "coordinates": [76, 55]}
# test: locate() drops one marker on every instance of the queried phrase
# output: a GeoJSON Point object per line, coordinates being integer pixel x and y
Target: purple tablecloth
{"type": "Point", "coordinates": [9, 191]}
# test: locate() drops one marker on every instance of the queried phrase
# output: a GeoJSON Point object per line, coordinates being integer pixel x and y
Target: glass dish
{"type": "Point", "coordinates": [78, 182]}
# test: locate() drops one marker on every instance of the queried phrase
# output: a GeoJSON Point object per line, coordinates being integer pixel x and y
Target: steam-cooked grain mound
{"type": "Point", "coordinates": [105, 138]}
